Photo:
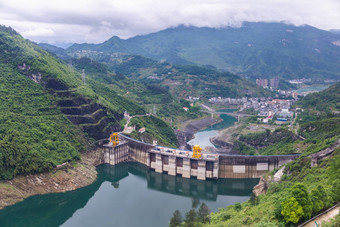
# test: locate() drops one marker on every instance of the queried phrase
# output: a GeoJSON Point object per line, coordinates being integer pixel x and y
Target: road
{"type": "Point", "coordinates": [325, 217]}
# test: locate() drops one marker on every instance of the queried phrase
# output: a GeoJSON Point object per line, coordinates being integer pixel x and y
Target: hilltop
{"type": "Point", "coordinates": [253, 50]}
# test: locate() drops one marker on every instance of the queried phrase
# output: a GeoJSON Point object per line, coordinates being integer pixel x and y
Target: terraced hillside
{"type": "Point", "coordinates": [96, 120]}
{"type": "Point", "coordinates": [47, 113]}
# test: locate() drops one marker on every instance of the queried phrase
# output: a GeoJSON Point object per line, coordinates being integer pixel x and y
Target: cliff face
{"type": "Point", "coordinates": [261, 187]}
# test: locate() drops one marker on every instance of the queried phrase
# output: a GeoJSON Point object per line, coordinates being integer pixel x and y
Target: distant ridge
{"type": "Point", "coordinates": [253, 50]}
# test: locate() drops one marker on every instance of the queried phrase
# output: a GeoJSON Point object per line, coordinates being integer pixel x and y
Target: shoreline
{"type": "Point", "coordinates": [64, 179]}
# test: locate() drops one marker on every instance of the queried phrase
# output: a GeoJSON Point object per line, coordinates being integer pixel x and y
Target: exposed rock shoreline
{"type": "Point", "coordinates": [59, 180]}
{"type": "Point", "coordinates": [194, 127]}
{"type": "Point", "coordinates": [191, 128]}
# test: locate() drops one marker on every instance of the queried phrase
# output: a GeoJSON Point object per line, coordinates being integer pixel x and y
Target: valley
{"type": "Point", "coordinates": [59, 107]}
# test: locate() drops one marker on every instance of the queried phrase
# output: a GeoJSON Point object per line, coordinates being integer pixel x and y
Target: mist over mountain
{"type": "Point", "coordinates": [253, 50]}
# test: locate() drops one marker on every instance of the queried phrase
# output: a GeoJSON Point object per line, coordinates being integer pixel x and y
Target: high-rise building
{"type": "Point", "coordinates": [262, 82]}
{"type": "Point", "coordinates": [274, 83]}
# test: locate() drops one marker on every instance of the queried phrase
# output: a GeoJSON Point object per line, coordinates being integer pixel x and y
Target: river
{"type": "Point", "coordinates": [314, 88]}
{"type": "Point", "coordinates": [202, 137]}
{"type": "Point", "coordinates": [126, 195]}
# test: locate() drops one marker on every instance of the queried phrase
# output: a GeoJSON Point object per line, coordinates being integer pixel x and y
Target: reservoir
{"type": "Point", "coordinates": [126, 195]}
{"type": "Point", "coordinates": [202, 137]}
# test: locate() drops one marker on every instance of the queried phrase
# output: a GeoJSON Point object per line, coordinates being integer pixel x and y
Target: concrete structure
{"type": "Point", "coordinates": [180, 162]}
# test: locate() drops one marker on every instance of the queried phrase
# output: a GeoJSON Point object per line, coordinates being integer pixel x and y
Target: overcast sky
{"type": "Point", "coordinates": [94, 21]}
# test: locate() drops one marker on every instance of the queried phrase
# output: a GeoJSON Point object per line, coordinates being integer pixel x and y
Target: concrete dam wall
{"type": "Point", "coordinates": [180, 162]}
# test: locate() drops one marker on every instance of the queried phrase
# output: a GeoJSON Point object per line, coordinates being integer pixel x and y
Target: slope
{"type": "Point", "coordinates": [320, 105]}
{"type": "Point", "coordinates": [254, 50]}
{"type": "Point", "coordinates": [181, 81]}
{"type": "Point", "coordinates": [39, 98]}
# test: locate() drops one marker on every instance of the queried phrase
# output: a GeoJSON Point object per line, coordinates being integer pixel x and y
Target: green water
{"type": "Point", "coordinates": [202, 137]}
{"type": "Point", "coordinates": [312, 88]}
{"type": "Point", "coordinates": [126, 195]}
{"type": "Point", "coordinates": [226, 110]}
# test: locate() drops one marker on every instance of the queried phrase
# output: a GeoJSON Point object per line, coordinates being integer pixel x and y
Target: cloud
{"type": "Point", "coordinates": [38, 32]}
{"type": "Point", "coordinates": [97, 20]}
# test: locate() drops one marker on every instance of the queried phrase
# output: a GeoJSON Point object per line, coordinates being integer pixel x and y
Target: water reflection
{"type": "Point", "coordinates": [122, 196]}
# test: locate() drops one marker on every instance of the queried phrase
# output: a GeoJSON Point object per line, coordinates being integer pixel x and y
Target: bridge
{"type": "Point", "coordinates": [177, 162]}
{"type": "Point", "coordinates": [212, 111]}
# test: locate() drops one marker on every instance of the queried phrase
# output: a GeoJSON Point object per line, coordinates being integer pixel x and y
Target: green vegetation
{"type": "Point", "coordinates": [287, 201]}
{"type": "Point", "coordinates": [34, 135]}
{"type": "Point", "coordinates": [243, 148]}
{"type": "Point", "coordinates": [254, 50]}
{"type": "Point", "coordinates": [193, 218]}
{"type": "Point", "coordinates": [334, 222]}
{"type": "Point", "coordinates": [176, 219]}
{"type": "Point", "coordinates": [324, 101]}
{"type": "Point", "coordinates": [117, 88]}
{"type": "Point", "coordinates": [40, 98]}
{"type": "Point", "coordinates": [156, 129]}
{"type": "Point", "coordinates": [281, 141]}
{"type": "Point", "coordinates": [267, 138]}
{"type": "Point", "coordinates": [303, 191]}
{"type": "Point", "coordinates": [323, 129]}
{"type": "Point", "coordinates": [320, 105]}
{"type": "Point", "coordinates": [181, 81]}
{"type": "Point", "coordinates": [291, 210]}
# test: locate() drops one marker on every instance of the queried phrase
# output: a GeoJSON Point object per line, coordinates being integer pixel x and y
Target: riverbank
{"type": "Point", "coordinates": [224, 140]}
{"type": "Point", "coordinates": [192, 126]}
{"type": "Point", "coordinates": [66, 178]}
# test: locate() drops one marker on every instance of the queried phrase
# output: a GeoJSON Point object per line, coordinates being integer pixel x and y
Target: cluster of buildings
{"type": "Point", "coordinates": [269, 108]}
{"type": "Point", "coordinates": [287, 94]}
{"type": "Point", "coordinates": [265, 107]}
{"type": "Point", "coordinates": [229, 101]}
{"type": "Point", "coordinates": [274, 83]}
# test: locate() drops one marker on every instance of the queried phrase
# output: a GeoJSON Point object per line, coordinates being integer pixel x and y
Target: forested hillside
{"type": "Point", "coordinates": [320, 105]}
{"type": "Point", "coordinates": [181, 81]}
{"type": "Point", "coordinates": [304, 190]}
{"type": "Point", "coordinates": [253, 50]}
{"type": "Point", "coordinates": [48, 112]}
{"type": "Point", "coordinates": [120, 88]}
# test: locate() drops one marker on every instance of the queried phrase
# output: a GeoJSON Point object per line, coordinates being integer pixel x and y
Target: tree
{"type": "Point", "coordinates": [176, 219]}
{"type": "Point", "coordinates": [316, 200]}
{"type": "Point", "coordinates": [336, 190]}
{"type": "Point", "coordinates": [238, 206]}
{"type": "Point", "coordinates": [254, 200]}
{"type": "Point", "coordinates": [203, 213]}
{"type": "Point", "coordinates": [299, 192]}
{"type": "Point", "coordinates": [291, 210]}
{"type": "Point", "coordinates": [324, 197]}
{"type": "Point", "coordinates": [190, 218]}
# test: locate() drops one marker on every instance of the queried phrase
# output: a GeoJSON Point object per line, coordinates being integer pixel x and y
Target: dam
{"type": "Point", "coordinates": [176, 162]}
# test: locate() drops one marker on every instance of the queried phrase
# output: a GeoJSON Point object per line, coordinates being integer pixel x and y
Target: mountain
{"type": "Point", "coordinates": [48, 112]}
{"type": "Point", "coordinates": [336, 31]}
{"type": "Point", "coordinates": [253, 50]}
{"type": "Point", "coordinates": [320, 105]}
{"type": "Point", "coordinates": [58, 51]}
{"type": "Point", "coordinates": [184, 80]}
{"type": "Point", "coordinates": [326, 100]}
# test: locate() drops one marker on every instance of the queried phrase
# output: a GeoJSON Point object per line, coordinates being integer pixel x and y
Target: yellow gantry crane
{"type": "Point", "coordinates": [196, 151]}
{"type": "Point", "coordinates": [114, 139]}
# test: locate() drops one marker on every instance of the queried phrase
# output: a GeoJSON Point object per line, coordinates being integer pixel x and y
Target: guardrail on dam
{"type": "Point", "coordinates": [180, 162]}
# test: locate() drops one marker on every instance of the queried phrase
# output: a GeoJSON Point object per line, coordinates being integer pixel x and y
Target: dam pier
{"type": "Point", "coordinates": [182, 163]}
